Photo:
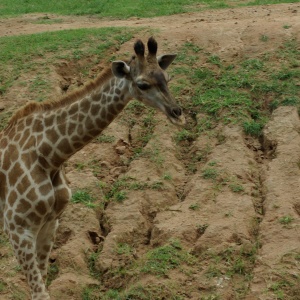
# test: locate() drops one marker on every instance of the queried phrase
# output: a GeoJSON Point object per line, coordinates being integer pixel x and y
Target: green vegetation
{"type": "Point", "coordinates": [119, 8]}
{"type": "Point", "coordinates": [105, 138]}
{"type": "Point", "coordinates": [84, 197]}
{"type": "Point", "coordinates": [233, 262]}
{"type": "Point", "coordinates": [236, 93]}
{"type": "Point", "coordinates": [286, 220]}
{"type": "Point", "coordinates": [136, 292]}
{"type": "Point", "coordinates": [53, 271]}
{"type": "Point", "coordinates": [29, 53]}
{"type": "Point", "coordinates": [162, 259]}
{"type": "Point", "coordinates": [118, 190]}
{"type": "Point", "coordinates": [159, 262]}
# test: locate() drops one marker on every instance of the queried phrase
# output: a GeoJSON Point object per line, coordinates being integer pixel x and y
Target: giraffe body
{"type": "Point", "coordinates": [41, 137]}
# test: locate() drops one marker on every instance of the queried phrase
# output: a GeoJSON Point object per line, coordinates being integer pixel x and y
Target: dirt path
{"type": "Point", "coordinates": [243, 219]}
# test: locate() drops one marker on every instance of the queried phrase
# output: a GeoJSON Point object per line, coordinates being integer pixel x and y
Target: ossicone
{"type": "Point", "coordinates": [152, 46]}
{"type": "Point", "coordinates": [139, 48]}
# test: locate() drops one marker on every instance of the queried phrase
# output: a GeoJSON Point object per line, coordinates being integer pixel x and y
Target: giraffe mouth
{"type": "Point", "coordinates": [175, 115]}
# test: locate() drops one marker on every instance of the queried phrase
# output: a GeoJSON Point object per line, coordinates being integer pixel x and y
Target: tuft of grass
{"type": "Point", "coordinates": [84, 197]}
{"type": "Point", "coordinates": [194, 206]}
{"type": "Point", "coordinates": [162, 259]}
{"type": "Point", "coordinates": [184, 135]}
{"type": "Point", "coordinates": [286, 220]}
{"type": "Point", "coordinates": [253, 128]}
{"type": "Point", "coordinates": [91, 262]}
{"type": "Point", "coordinates": [118, 190]}
{"type": "Point", "coordinates": [103, 138]}
{"type": "Point", "coordinates": [236, 188]}
{"type": "Point", "coordinates": [52, 273]}
{"type": "Point", "coordinates": [3, 286]}
{"type": "Point", "coordinates": [210, 173]}
{"type": "Point", "coordinates": [264, 38]}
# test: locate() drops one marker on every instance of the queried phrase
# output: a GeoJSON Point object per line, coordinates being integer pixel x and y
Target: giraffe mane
{"type": "Point", "coordinates": [32, 107]}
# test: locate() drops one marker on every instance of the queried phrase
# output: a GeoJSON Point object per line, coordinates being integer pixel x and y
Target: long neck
{"type": "Point", "coordinates": [69, 128]}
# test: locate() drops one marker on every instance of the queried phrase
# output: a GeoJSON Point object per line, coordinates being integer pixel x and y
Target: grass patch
{"type": "Point", "coordinates": [162, 259]}
{"type": "Point", "coordinates": [52, 273]}
{"type": "Point", "coordinates": [27, 53]}
{"type": "Point", "coordinates": [120, 8]}
{"type": "Point", "coordinates": [115, 8]}
{"type": "Point", "coordinates": [118, 190]}
{"type": "Point", "coordinates": [136, 292]}
{"type": "Point", "coordinates": [83, 197]}
{"type": "Point", "coordinates": [244, 93]}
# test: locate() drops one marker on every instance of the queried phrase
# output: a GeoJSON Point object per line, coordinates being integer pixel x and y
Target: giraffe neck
{"type": "Point", "coordinates": [67, 129]}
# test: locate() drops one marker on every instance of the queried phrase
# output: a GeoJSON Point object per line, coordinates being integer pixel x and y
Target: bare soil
{"type": "Point", "coordinates": [247, 242]}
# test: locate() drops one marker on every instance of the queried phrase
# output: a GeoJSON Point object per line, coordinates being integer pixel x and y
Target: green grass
{"type": "Point", "coordinates": [162, 259]}
{"type": "Point", "coordinates": [52, 274]}
{"type": "Point", "coordinates": [29, 53]}
{"type": "Point", "coordinates": [120, 8]}
{"type": "Point", "coordinates": [113, 8]}
{"type": "Point", "coordinates": [83, 197]}
{"type": "Point", "coordinates": [118, 190]}
{"type": "Point", "coordinates": [238, 93]}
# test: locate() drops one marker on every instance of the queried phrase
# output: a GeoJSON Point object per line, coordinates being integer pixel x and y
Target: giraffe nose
{"type": "Point", "coordinates": [176, 112]}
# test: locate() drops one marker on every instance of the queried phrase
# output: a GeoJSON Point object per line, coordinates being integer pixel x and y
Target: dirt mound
{"type": "Point", "coordinates": [212, 218]}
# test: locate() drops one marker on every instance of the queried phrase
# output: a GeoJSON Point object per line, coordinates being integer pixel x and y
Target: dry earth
{"type": "Point", "coordinates": [253, 233]}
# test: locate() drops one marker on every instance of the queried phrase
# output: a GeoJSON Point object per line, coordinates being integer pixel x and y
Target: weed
{"type": "Point", "coordinates": [3, 286]}
{"type": "Point", "coordinates": [167, 176]}
{"type": "Point", "coordinates": [120, 196]}
{"type": "Point", "coordinates": [236, 188]}
{"type": "Point", "coordinates": [278, 288]}
{"type": "Point", "coordinates": [286, 220]}
{"type": "Point", "coordinates": [194, 206]}
{"type": "Point", "coordinates": [117, 191]}
{"type": "Point", "coordinates": [264, 38]}
{"type": "Point", "coordinates": [105, 138]}
{"type": "Point", "coordinates": [213, 271]}
{"type": "Point", "coordinates": [184, 135]}
{"type": "Point", "coordinates": [124, 249]}
{"type": "Point", "coordinates": [210, 173]}
{"type": "Point", "coordinates": [80, 166]}
{"type": "Point", "coordinates": [212, 163]}
{"type": "Point", "coordinates": [162, 259]}
{"type": "Point", "coordinates": [84, 197]}
{"type": "Point", "coordinates": [215, 60]}
{"type": "Point", "coordinates": [253, 128]}
{"type": "Point", "coordinates": [253, 64]}
{"type": "Point", "coordinates": [91, 262]}
{"type": "Point", "coordinates": [52, 273]}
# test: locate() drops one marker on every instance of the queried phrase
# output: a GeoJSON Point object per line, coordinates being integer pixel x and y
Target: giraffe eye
{"type": "Point", "coordinates": [143, 86]}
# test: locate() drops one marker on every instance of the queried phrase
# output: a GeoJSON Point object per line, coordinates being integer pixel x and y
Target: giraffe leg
{"type": "Point", "coordinates": [44, 244]}
{"type": "Point", "coordinates": [24, 245]}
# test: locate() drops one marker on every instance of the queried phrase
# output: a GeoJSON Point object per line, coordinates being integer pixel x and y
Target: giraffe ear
{"type": "Point", "coordinates": [120, 69]}
{"type": "Point", "coordinates": [165, 60]}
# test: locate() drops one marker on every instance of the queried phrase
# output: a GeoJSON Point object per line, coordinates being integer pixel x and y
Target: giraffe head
{"type": "Point", "coordinates": [148, 80]}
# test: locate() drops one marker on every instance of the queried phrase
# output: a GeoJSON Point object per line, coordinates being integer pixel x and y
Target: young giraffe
{"type": "Point", "coordinates": [41, 137]}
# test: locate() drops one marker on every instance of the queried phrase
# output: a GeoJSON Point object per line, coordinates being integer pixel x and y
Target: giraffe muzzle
{"type": "Point", "coordinates": [175, 115]}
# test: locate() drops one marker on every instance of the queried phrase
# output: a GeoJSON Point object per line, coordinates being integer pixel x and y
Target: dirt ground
{"type": "Point", "coordinates": [255, 233]}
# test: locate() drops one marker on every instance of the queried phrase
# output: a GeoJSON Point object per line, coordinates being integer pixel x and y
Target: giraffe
{"type": "Point", "coordinates": [40, 137]}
